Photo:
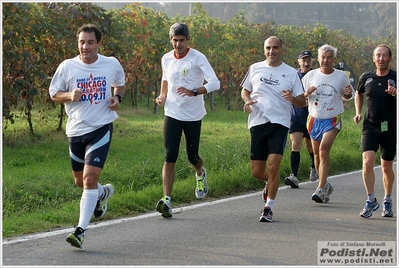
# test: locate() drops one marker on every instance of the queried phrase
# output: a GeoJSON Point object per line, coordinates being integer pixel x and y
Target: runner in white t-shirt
{"type": "Point", "coordinates": [269, 90]}
{"type": "Point", "coordinates": [84, 85]}
{"type": "Point", "coordinates": [184, 71]}
{"type": "Point", "coordinates": [325, 87]}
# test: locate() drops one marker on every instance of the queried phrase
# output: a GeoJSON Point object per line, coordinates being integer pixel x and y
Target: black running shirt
{"type": "Point", "coordinates": [381, 106]}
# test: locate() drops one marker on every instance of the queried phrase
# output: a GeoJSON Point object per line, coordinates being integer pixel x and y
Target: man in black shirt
{"type": "Point", "coordinates": [379, 127]}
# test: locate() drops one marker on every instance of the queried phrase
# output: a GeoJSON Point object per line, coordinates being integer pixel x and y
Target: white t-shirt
{"type": "Point", "coordinates": [326, 101]}
{"type": "Point", "coordinates": [189, 72]}
{"type": "Point", "coordinates": [265, 84]}
{"type": "Point", "coordinates": [95, 81]}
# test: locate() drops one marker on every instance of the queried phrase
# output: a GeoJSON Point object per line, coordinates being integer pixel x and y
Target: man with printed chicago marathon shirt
{"type": "Point", "coordinates": [379, 127]}
{"type": "Point", "coordinates": [84, 85]}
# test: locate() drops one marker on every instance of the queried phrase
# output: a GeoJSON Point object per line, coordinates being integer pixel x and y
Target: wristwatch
{"type": "Point", "coordinates": [119, 97]}
{"type": "Point", "coordinates": [195, 91]}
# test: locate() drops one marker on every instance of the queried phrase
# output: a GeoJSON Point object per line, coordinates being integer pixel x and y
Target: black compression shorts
{"type": "Point", "coordinates": [173, 130]}
{"type": "Point", "coordinates": [90, 149]}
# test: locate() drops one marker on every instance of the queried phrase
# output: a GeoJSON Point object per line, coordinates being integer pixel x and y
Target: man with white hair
{"type": "Point", "coordinates": [325, 89]}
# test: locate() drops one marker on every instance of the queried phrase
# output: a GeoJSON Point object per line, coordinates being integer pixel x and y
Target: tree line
{"type": "Point", "coordinates": [37, 37]}
{"type": "Point", "coordinates": [361, 19]}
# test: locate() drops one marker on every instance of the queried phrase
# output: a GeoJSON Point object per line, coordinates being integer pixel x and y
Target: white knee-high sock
{"type": "Point", "coordinates": [87, 205]}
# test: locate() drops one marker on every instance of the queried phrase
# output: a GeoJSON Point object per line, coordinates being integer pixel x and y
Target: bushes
{"type": "Point", "coordinates": [138, 37]}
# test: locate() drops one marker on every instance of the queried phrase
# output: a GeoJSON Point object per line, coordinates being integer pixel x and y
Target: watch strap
{"type": "Point", "coordinates": [119, 97]}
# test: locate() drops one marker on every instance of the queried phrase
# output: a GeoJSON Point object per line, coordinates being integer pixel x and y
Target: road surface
{"type": "Point", "coordinates": [222, 232]}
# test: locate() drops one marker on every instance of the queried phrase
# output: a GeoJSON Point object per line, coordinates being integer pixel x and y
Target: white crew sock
{"type": "Point", "coordinates": [387, 198]}
{"type": "Point", "coordinates": [371, 198]}
{"type": "Point", "coordinates": [270, 203]}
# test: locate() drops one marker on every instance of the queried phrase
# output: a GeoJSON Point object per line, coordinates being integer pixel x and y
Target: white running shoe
{"type": "Point", "coordinates": [201, 190]}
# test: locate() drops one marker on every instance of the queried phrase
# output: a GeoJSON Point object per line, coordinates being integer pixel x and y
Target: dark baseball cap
{"type": "Point", "coordinates": [305, 53]}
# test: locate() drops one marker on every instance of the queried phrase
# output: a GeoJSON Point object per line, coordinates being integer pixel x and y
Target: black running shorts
{"type": "Point", "coordinates": [372, 141]}
{"type": "Point", "coordinates": [297, 127]}
{"type": "Point", "coordinates": [90, 149]}
{"type": "Point", "coordinates": [267, 139]}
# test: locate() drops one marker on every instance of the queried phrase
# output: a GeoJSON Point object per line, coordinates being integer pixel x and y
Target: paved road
{"type": "Point", "coordinates": [221, 232]}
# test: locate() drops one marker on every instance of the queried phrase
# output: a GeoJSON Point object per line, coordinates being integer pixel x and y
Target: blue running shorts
{"type": "Point", "coordinates": [317, 127]}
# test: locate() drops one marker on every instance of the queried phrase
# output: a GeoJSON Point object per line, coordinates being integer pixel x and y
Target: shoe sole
{"type": "Point", "coordinates": [388, 215]}
{"type": "Point", "coordinates": [73, 242]}
{"type": "Point", "coordinates": [264, 219]}
{"type": "Point", "coordinates": [99, 213]}
{"type": "Point", "coordinates": [316, 198]}
{"type": "Point", "coordinates": [163, 209]}
{"type": "Point", "coordinates": [384, 213]}
{"type": "Point", "coordinates": [371, 212]}
{"type": "Point", "coordinates": [290, 183]}
{"type": "Point", "coordinates": [103, 211]}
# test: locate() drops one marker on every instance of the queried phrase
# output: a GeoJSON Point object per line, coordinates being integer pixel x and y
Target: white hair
{"type": "Point", "coordinates": [326, 48]}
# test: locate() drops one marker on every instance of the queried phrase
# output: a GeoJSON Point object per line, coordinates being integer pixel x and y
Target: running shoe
{"type": "Point", "coordinates": [313, 175]}
{"type": "Point", "coordinates": [266, 214]}
{"type": "Point", "coordinates": [202, 187]}
{"type": "Point", "coordinates": [328, 187]}
{"type": "Point", "coordinates": [76, 238]}
{"type": "Point", "coordinates": [319, 195]}
{"type": "Point", "coordinates": [369, 208]}
{"type": "Point", "coordinates": [102, 204]}
{"type": "Point", "coordinates": [292, 181]}
{"type": "Point", "coordinates": [164, 206]}
{"type": "Point", "coordinates": [387, 208]}
{"type": "Point", "coordinates": [264, 193]}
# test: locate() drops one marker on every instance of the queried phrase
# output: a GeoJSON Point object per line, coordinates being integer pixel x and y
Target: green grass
{"type": "Point", "coordinates": [39, 193]}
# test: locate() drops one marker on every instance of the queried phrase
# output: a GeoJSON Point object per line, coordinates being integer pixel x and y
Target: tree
{"type": "Point", "coordinates": [36, 38]}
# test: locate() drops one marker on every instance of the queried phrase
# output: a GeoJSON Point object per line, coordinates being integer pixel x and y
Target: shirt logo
{"type": "Point", "coordinates": [184, 72]}
{"type": "Point", "coordinates": [94, 88]}
{"type": "Point", "coordinates": [271, 80]}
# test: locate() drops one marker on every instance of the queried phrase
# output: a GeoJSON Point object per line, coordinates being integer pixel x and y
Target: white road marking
{"type": "Point", "coordinates": [149, 215]}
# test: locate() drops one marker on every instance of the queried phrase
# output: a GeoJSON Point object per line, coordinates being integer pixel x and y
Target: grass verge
{"type": "Point", "coordinates": [39, 193]}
